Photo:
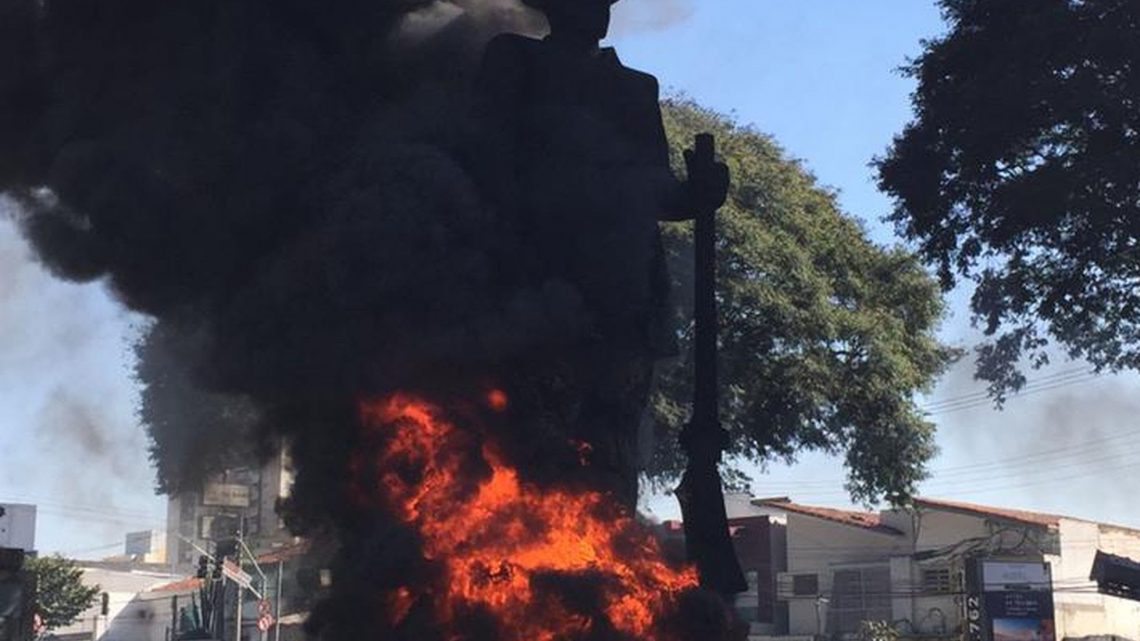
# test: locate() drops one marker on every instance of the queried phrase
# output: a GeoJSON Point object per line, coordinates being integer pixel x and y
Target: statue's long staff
{"type": "Point", "coordinates": [707, 539]}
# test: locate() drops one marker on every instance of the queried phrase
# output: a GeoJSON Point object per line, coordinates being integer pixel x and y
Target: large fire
{"type": "Point", "coordinates": [543, 564]}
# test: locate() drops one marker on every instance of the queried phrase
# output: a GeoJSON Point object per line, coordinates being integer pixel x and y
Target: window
{"type": "Point", "coordinates": [748, 603]}
{"type": "Point", "coordinates": [858, 595]}
{"type": "Point", "coordinates": [936, 581]}
{"type": "Point", "coordinates": [805, 585]}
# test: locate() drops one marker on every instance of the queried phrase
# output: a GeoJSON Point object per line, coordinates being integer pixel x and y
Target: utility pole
{"type": "Point", "coordinates": [277, 597]}
{"type": "Point", "coordinates": [240, 591]}
{"type": "Point", "coordinates": [173, 617]}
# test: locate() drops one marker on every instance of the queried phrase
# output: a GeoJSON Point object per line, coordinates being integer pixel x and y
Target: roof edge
{"type": "Point", "coordinates": [832, 515]}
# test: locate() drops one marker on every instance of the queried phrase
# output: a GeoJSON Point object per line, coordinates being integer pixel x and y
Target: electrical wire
{"type": "Point", "coordinates": [984, 395]}
{"type": "Point", "coordinates": [1019, 395]}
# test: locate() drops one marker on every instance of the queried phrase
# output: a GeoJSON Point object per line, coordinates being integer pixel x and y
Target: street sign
{"type": "Point", "coordinates": [264, 615]}
{"type": "Point", "coordinates": [233, 572]}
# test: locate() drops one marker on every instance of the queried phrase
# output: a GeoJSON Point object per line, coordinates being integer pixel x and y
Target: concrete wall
{"type": "Point", "coordinates": [826, 546]}
{"type": "Point", "coordinates": [949, 537]}
{"type": "Point", "coordinates": [936, 531]}
{"type": "Point", "coordinates": [817, 546]}
{"type": "Point", "coordinates": [1080, 610]}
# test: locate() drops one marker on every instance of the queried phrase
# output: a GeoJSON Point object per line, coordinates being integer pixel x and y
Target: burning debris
{"type": "Point", "coordinates": [529, 563]}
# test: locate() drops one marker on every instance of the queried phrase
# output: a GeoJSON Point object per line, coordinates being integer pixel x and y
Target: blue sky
{"type": "Point", "coordinates": [819, 75]}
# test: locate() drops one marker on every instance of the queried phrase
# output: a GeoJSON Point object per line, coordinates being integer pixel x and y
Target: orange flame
{"type": "Point", "coordinates": [497, 400]}
{"type": "Point", "coordinates": [497, 542]}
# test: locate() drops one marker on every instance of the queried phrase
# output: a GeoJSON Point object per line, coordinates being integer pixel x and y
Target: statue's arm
{"type": "Point", "coordinates": [706, 187]}
{"type": "Point", "coordinates": [673, 202]}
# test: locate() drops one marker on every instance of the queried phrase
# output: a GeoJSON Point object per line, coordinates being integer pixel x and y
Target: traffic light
{"type": "Point", "coordinates": [203, 567]}
{"type": "Point", "coordinates": [222, 549]}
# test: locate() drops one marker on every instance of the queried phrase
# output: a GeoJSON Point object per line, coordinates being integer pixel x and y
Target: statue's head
{"type": "Point", "coordinates": [581, 19]}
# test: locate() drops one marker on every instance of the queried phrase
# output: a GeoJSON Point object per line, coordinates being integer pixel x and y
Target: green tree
{"type": "Point", "coordinates": [825, 337]}
{"type": "Point", "coordinates": [1021, 173]}
{"type": "Point", "coordinates": [60, 593]}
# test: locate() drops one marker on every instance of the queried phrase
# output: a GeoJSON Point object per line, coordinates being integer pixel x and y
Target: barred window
{"type": "Point", "coordinates": [936, 581]}
{"type": "Point", "coordinates": [858, 595]}
{"type": "Point", "coordinates": [748, 603]}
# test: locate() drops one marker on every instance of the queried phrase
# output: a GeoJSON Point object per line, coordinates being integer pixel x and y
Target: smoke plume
{"type": "Point", "coordinates": [650, 15]}
{"type": "Point", "coordinates": [283, 187]}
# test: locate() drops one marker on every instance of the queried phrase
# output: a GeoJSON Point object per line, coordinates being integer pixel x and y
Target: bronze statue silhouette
{"type": "Point", "coordinates": [571, 152]}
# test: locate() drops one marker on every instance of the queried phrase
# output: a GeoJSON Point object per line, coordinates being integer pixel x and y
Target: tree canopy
{"type": "Point", "coordinates": [825, 337]}
{"type": "Point", "coordinates": [61, 595]}
{"type": "Point", "coordinates": [1021, 173]}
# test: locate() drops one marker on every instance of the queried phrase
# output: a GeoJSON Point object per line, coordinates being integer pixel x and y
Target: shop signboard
{"type": "Point", "coordinates": [1010, 601]}
{"type": "Point", "coordinates": [975, 623]}
{"type": "Point", "coordinates": [226, 495]}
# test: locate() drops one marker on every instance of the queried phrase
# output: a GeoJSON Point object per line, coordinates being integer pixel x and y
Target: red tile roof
{"type": "Point", "coordinates": [865, 520]}
{"type": "Point", "coordinates": [182, 585]}
{"type": "Point", "coordinates": [1003, 514]}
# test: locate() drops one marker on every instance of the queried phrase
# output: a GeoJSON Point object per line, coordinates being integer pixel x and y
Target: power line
{"type": "Point", "coordinates": [985, 395]}
{"type": "Point", "coordinates": [951, 492]}
{"type": "Point", "coordinates": [98, 548]}
{"type": "Point", "coordinates": [1052, 456]}
{"type": "Point", "coordinates": [1025, 391]}
{"type": "Point", "coordinates": [148, 524]}
{"type": "Point", "coordinates": [41, 503]}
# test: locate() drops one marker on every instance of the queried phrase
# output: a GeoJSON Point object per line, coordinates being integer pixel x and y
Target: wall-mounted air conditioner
{"type": "Point", "coordinates": [790, 585]}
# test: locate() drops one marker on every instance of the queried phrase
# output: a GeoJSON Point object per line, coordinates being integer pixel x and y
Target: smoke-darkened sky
{"type": "Point", "coordinates": [818, 76]}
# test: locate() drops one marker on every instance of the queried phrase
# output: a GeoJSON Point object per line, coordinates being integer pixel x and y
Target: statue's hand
{"type": "Point", "coordinates": [707, 187]}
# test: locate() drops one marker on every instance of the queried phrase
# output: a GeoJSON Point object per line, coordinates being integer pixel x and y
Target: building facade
{"type": "Point", "coordinates": [759, 536]}
{"type": "Point", "coordinates": [18, 526]}
{"type": "Point", "coordinates": [759, 539]}
{"type": "Point", "coordinates": [148, 546]}
{"type": "Point", "coordinates": [126, 609]}
{"type": "Point", "coordinates": [950, 570]}
{"type": "Point", "coordinates": [241, 499]}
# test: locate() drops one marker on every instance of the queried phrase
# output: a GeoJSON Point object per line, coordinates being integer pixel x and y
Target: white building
{"type": "Point", "coordinates": [127, 609]}
{"type": "Point", "coordinates": [148, 546]}
{"type": "Point", "coordinates": [922, 569]}
{"type": "Point", "coordinates": [18, 526]}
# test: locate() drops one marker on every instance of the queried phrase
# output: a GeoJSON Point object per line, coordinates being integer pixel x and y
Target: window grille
{"type": "Point", "coordinates": [748, 603]}
{"type": "Point", "coordinates": [936, 581]}
{"type": "Point", "coordinates": [858, 595]}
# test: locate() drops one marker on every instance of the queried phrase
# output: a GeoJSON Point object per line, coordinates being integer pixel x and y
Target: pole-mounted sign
{"type": "Point", "coordinates": [233, 572]}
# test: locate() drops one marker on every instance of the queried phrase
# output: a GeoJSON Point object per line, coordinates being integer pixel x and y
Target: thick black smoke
{"type": "Point", "coordinates": [276, 179]}
{"type": "Point", "coordinates": [284, 186]}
